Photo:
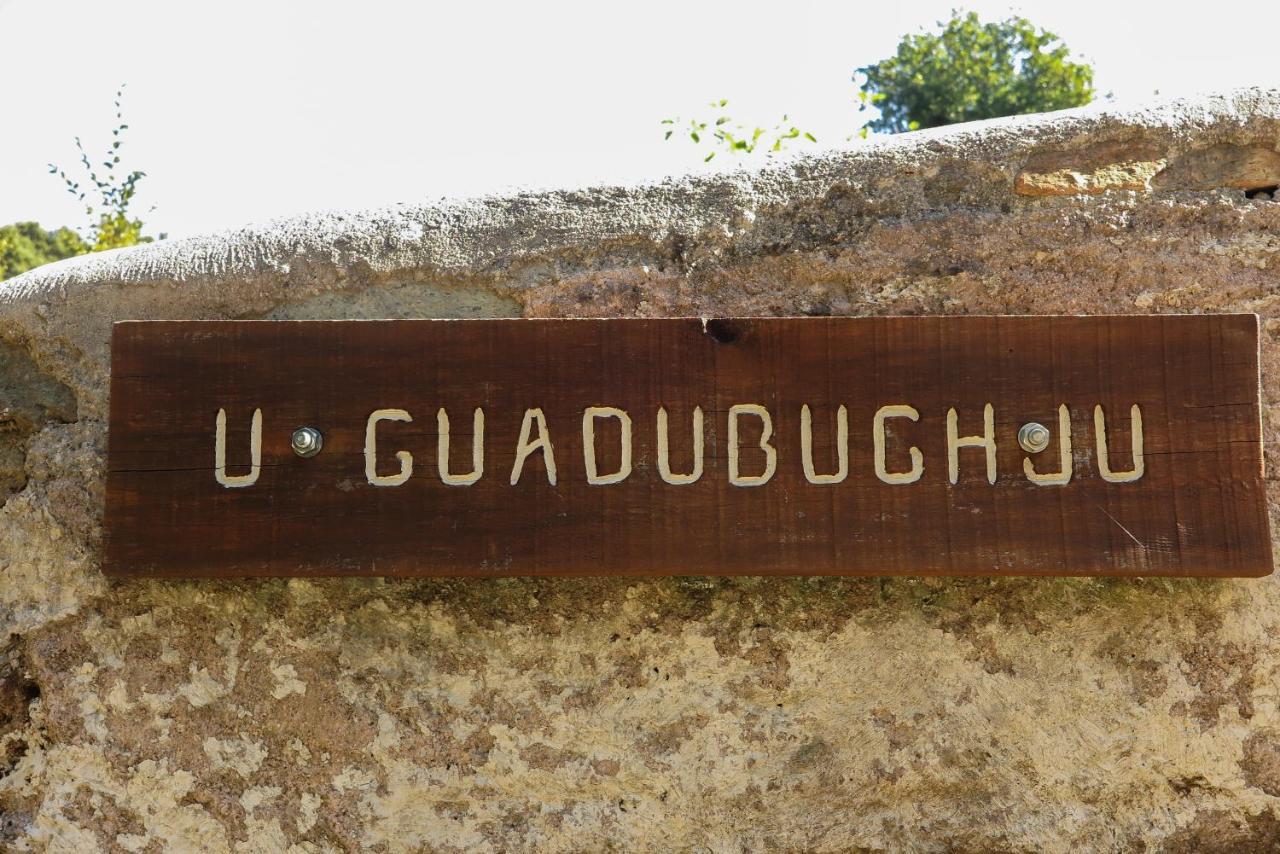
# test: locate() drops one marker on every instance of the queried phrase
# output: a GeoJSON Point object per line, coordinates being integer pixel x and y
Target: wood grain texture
{"type": "Point", "coordinates": [1198, 509]}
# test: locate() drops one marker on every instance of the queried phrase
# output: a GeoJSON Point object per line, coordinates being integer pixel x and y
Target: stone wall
{"type": "Point", "coordinates": [688, 713]}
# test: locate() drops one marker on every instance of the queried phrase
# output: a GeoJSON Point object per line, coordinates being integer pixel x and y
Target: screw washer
{"type": "Point", "coordinates": [1033, 437]}
{"type": "Point", "coordinates": [307, 442]}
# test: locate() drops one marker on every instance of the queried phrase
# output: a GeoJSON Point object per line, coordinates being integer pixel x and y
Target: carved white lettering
{"type": "Point", "coordinates": [525, 447]}
{"type": "Point", "coordinates": [589, 416]}
{"type": "Point", "coordinates": [1135, 443]}
{"type": "Point", "coordinates": [878, 438]}
{"type": "Point", "coordinates": [477, 449]}
{"type": "Point", "coordinates": [766, 432]}
{"type": "Point", "coordinates": [749, 462]}
{"type": "Point", "coordinates": [1062, 476]}
{"type": "Point", "coordinates": [842, 446]}
{"type": "Point", "coordinates": [986, 441]}
{"type": "Point", "coordinates": [664, 449]}
{"type": "Point", "coordinates": [371, 449]}
{"type": "Point", "coordinates": [220, 452]}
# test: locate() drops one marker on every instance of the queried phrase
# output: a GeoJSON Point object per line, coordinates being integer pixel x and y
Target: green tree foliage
{"type": "Point", "coordinates": [111, 223]}
{"type": "Point", "coordinates": [722, 133]}
{"type": "Point", "coordinates": [25, 245]}
{"type": "Point", "coordinates": [974, 70]}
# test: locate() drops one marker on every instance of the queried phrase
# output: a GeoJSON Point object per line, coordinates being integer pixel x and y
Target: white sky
{"type": "Point", "coordinates": [242, 111]}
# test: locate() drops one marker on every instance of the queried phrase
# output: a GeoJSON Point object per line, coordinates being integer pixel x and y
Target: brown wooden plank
{"type": "Point", "coordinates": [1199, 507]}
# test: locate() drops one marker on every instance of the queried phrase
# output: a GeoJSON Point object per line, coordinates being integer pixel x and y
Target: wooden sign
{"type": "Point", "coordinates": [1122, 446]}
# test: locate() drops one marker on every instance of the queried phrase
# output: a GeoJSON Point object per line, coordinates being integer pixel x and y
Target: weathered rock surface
{"type": "Point", "coordinates": [706, 714]}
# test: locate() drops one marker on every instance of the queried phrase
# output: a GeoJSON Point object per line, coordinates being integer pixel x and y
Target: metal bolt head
{"type": "Point", "coordinates": [1033, 437]}
{"type": "Point", "coordinates": [307, 441]}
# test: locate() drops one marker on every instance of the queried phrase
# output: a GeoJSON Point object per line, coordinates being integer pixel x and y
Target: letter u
{"type": "Point", "coordinates": [1135, 443]}
{"type": "Point", "coordinates": [220, 452]}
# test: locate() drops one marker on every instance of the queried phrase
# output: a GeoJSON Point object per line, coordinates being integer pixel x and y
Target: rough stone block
{"type": "Point", "coordinates": [686, 713]}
